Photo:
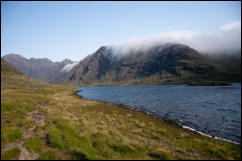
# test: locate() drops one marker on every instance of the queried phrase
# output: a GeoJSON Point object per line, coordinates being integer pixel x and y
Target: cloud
{"type": "Point", "coordinates": [230, 26]}
{"type": "Point", "coordinates": [68, 67]}
{"type": "Point", "coordinates": [225, 38]}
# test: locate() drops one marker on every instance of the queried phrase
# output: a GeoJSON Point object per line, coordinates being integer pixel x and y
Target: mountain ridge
{"type": "Point", "coordinates": [161, 64]}
{"type": "Point", "coordinates": [39, 68]}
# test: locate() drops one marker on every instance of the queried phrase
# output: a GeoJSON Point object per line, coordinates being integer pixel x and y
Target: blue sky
{"type": "Point", "coordinates": [59, 30]}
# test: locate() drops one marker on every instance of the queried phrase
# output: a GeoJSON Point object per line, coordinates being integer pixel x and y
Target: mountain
{"type": "Point", "coordinates": [229, 65]}
{"type": "Point", "coordinates": [42, 69]}
{"type": "Point", "coordinates": [169, 63]}
{"type": "Point", "coordinates": [9, 73]}
{"type": "Point", "coordinates": [7, 68]}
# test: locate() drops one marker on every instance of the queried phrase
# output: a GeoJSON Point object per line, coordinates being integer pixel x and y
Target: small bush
{"type": "Point", "coordinates": [11, 154]}
{"type": "Point", "coordinates": [160, 155]}
{"type": "Point", "coordinates": [55, 138]}
{"type": "Point", "coordinates": [34, 143]}
{"type": "Point", "coordinates": [14, 136]}
{"type": "Point", "coordinates": [77, 155]}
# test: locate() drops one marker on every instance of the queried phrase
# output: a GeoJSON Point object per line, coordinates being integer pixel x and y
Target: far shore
{"type": "Point", "coordinates": [191, 83]}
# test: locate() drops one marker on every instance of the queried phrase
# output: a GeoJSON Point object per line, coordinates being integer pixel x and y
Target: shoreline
{"type": "Point", "coordinates": [169, 83]}
{"type": "Point", "coordinates": [177, 124]}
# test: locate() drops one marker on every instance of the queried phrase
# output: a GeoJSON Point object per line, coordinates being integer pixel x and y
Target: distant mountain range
{"type": "Point", "coordinates": [168, 63]}
{"type": "Point", "coordinates": [42, 69]}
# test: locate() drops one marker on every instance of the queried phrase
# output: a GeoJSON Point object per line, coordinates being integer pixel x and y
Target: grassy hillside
{"type": "Point", "coordinates": [43, 121]}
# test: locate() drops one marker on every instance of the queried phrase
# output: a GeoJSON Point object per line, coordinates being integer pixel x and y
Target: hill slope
{"type": "Point", "coordinates": [7, 68]}
{"type": "Point", "coordinates": [43, 121]}
{"type": "Point", "coordinates": [228, 65]}
{"type": "Point", "coordinates": [42, 69]}
{"type": "Point", "coordinates": [161, 64]}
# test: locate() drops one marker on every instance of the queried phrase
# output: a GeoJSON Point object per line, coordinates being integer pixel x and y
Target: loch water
{"type": "Point", "coordinates": [213, 110]}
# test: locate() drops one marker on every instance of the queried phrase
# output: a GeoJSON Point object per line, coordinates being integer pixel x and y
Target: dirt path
{"type": "Point", "coordinates": [25, 154]}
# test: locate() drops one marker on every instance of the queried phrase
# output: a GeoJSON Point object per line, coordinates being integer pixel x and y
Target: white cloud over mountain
{"type": "Point", "coordinates": [225, 38]}
{"type": "Point", "coordinates": [68, 67]}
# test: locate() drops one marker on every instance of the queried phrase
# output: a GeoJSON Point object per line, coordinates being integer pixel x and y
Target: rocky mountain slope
{"type": "Point", "coordinates": [161, 64]}
{"type": "Point", "coordinates": [42, 69]}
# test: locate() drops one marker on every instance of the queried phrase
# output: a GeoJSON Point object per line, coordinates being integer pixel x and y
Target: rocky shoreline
{"type": "Point", "coordinates": [171, 122]}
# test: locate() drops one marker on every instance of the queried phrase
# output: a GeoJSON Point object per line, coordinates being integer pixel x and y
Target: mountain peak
{"type": "Point", "coordinates": [13, 56]}
{"type": "Point", "coordinates": [67, 61]}
{"type": "Point", "coordinates": [101, 49]}
{"type": "Point", "coordinates": [46, 60]}
{"type": "Point", "coordinates": [162, 63]}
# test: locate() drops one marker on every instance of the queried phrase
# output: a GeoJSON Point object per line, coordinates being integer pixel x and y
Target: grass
{"type": "Point", "coordinates": [209, 83]}
{"type": "Point", "coordinates": [48, 155]}
{"type": "Point", "coordinates": [34, 144]}
{"type": "Point", "coordinates": [55, 139]}
{"type": "Point", "coordinates": [11, 154]}
{"type": "Point", "coordinates": [161, 155]}
{"type": "Point", "coordinates": [11, 134]}
{"type": "Point", "coordinates": [75, 128]}
{"type": "Point", "coordinates": [106, 131]}
{"type": "Point", "coordinates": [14, 136]}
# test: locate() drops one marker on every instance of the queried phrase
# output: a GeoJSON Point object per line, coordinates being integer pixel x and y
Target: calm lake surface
{"type": "Point", "coordinates": [213, 110]}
